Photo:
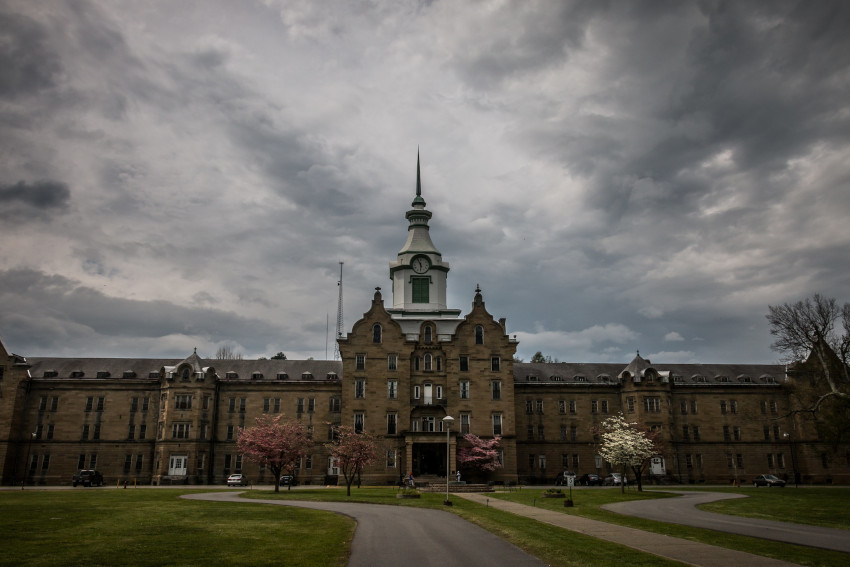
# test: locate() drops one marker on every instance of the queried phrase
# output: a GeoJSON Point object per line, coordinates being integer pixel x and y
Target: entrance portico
{"type": "Point", "coordinates": [426, 453]}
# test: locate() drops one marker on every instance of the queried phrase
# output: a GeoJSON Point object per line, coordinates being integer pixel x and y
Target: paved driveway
{"type": "Point", "coordinates": [682, 510]}
{"type": "Point", "coordinates": [390, 536]}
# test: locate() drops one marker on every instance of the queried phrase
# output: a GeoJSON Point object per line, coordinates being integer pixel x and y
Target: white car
{"type": "Point", "coordinates": [236, 480]}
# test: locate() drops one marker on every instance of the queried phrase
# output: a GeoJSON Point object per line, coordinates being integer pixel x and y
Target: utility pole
{"type": "Point", "coordinates": [339, 321]}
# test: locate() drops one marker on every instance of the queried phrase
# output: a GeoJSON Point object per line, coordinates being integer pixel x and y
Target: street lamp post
{"type": "Point", "coordinates": [793, 458]}
{"type": "Point", "coordinates": [448, 423]}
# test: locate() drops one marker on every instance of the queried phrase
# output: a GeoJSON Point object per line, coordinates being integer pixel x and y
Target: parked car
{"type": "Point", "coordinates": [589, 479]}
{"type": "Point", "coordinates": [562, 478]}
{"type": "Point", "coordinates": [236, 480]}
{"type": "Point", "coordinates": [768, 480]}
{"type": "Point", "coordinates": [88, 478]}
{"type": "Point", "coordinates": [287, 480]}
{"type": "Point", "coordinates": [614, 479]}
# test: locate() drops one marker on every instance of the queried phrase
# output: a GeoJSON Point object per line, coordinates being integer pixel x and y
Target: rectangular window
{"type": "Point", "coordinates": [360, 362]}
{"type": "Point", "coordinates": [204, 431]}
{"type": "Point", "coordinates": [531, 460]}
{"type": "Point", "coordinates": [139, 461]}
{"type": "Point", "coordinates": [529, 406]}
{"type": "Point", "coordinates": [563, 433]}
{"type": "Point", "coordinates": [145, 403]}
{"type": "Point", "coordinates": [42, 403]}
{"type": "Point", "coordinates": [496, 386]}
{"type": "Point", "coordinates": [733, 406]}
{"type": "Point", "coordinates": [207, 400]}
{"type": "Point", "coordinates": [391, 424]}
{"type": "Point", "coordinates": [359, 422]}
{"type": "Point", "coordinates": [45, 463]}
{"type": "Point", "coordinates": [530, 432]}
{"type": "Point", "coordinates": [81, 462]}
{"type": "Point", "coordinates": [540, 434]}
{"type": "Point", "coordinates": [686, 433]}
{"type": "Point", "coordinates": [54, 403]}
{"type": "Point", "coordinates": [39, 429]}
{"type": "Point", "coordinates": [464, 423]}
{"type": "Point", "coordinates": [573, 433]}
{"type": "Point", "coordinates": [694, 407]}
{"type": "Point", "coordinates": [85, 432]}
{"type": "Point", "coordinates": [299, 405]}
{"type": "Point", "coordinates": [89, 403]}
{"type": "Point", "coordinates": [231, 406]}
{"type": "Point", "coordinates": [604, 406]}
{"type": "Point", "coordinates": [238, 466]}
{"type": "Point", "coordinates": [439, 392]}
{"type": "Point", "coordinates": [736, 432]}
{"type": "Point", "coordinates": [495, 364]}
{"type": "Point", "coordinates": [780, 460]}
{"type": "Point", "coordinates": [392, 362]}
{"type": "Point", "coordinates": [696, 432]}
{"type": "Point", "coordinates": [230, 433]}
{"type": "Point", "coordinates": [770, 460]}
{"type": "Point", "coordinates": [50, 431]}
{"type": "Point", "coordinates": [689, 463]}
{"type": "Point", "coordinates": [464, 389]}
{"type": "Point", "coordinates": [684, 407]}
{"type": "Point", "coordinates": [540, 406]}
{"type": "Point", "coordinates": [773, 407]}
{"type": "Point", "coordinates": [267, 405]}
{"type": "Point", "coordinates": [242, 403]}
{"type": "Point", "coordinates": [416, 392]}
{"type": "Point", "coordinates": [128, 462]}
{"type": "Point", "coordinates": [308, 462]}
{"type": "Point", "coordinates": [360, 389]}
{"type": "Point", "coordinates": [100, 404]}
{"type": "Point", "coordinates": [134, 404]}
{"type": "Point", "coordinates": [392, 389]}
{"type": "Point", "coordinates": [766, 431]}
{"type": "Point", "coordinates": [131, 431]}
{"type": "Point", "coordinates": [183, 401]}
{"type": "Point", "coordinates": [391, 461]}
{"type": "Point", "coordinates": [594, 406]}
{"type": "Point", "coordinates": [180, 431]}
{"type": "Point", "coordinates": [739, 458]}
{"type": "Point", "coordinates": [420, 289]}
{"type": "Point", "coordinates": [562, 406]}
{"type": "Point", "coordinates": [699, 460]}
{"type": "Point", "coordinates": [497, 424]}
{"type": "Point", "coordinates": [727, 435]}
{"type": "Point", "coordinates": [572, 406]}
{"type": "Point", "coordinates": [334, 404]}
{"type": "Point", "coordinates": [93, 461]}
{"type": "Point", "coordinates": [464, 364]}
{"type": "Point", "coordinates": [776, 433]}
{"type": "Point", "coordinates": [542, 462]}
{"type": "Point", "coordinates": [652, 404]}
{"type": "Point", "coordinates": [143, 429]}
{"type": "Point", "coordinates": [227, 459]}
{"type": "Point", "coordinates": [277, 405]}
{"type": "Point", "coordinates": [630, 405]}
{"type": "Point", "coordinates": [723, 407]}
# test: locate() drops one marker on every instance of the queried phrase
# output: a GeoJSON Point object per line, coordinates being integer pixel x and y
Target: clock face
{"type": "Point", "coordinates": [420, 264]}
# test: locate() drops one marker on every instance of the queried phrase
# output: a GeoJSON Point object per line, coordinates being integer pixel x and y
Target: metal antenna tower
{"type": "Point", "coordinates": [339, 322]}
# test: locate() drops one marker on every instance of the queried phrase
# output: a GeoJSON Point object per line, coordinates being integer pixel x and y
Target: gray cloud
{"type": "Point", "coordinates": [27, 63]}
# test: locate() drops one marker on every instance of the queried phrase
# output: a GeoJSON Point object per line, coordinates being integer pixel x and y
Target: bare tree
{"type": "Point", "coordinates": [806, 331]}
{"type": "Point", "coordinates": [226, 352]}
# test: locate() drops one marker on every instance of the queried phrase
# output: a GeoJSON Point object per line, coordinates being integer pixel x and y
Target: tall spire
{"type": "Point", "coordinates": [418, 200]}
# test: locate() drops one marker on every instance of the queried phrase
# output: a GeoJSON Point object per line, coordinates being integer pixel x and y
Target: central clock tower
{"type": "Point", "coordinates": [419, 273]}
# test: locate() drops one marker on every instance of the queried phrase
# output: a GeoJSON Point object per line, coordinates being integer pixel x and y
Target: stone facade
{"type": "Point", "coordinates": [403, 370]}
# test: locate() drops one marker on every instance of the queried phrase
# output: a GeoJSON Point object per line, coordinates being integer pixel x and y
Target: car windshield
{"type": "Point", "coordinates": [770, 477]}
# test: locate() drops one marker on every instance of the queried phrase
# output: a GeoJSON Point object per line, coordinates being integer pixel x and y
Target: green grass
{"type": "Point", "coordinates": [587, 504]}
{"type": "Point", "coordinates": [815, 506]}
{"type": "Point", "coordinates": [154, 527]}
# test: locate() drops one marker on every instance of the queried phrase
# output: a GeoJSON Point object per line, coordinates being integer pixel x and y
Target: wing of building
{"type": "Point", "coordinates": [404, 370]}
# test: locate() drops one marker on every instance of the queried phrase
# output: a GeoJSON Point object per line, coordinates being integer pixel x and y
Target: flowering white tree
{"type": "Point", "coordinates": [623, 444]}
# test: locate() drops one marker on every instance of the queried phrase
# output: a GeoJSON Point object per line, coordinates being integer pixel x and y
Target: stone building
{"type": "Point", "coordinates": [403, 370]}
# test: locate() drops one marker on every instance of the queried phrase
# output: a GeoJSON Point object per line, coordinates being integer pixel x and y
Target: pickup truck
{"type": "Point", "coordinates": [88, 478]}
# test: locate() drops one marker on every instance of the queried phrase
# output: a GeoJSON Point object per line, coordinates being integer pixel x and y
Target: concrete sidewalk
{"type": "Point", "coordinates": [688, 552]}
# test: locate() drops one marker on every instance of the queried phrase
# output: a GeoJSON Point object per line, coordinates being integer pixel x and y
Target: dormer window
{"type": "Point", "coordinates": [51, 373]}
{"type": "Point", "coordinates": [153, 374]}
{"type": "Point", "coordinates": [257, 376]}
{"type": "Point", "coordinates": [332, 376]}
{"type": "Point", "coordinates": [77, 374]}
{"type": "Point", "coordinates": [129, 374]}
{"type": "Point", "coordinates": [580, 378]}
{"type": "Point", "coordinates": [231, 375]}
{"type": "Point", "coordinates": [103, 374]}
{"type": "Point", "coordinates": [185, 375]}
{"type": "Point", "coordinates": [306, 376]}
{"type": "Point", "coordinates": [282, 376]}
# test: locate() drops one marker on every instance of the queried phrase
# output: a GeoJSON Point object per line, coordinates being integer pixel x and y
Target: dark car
{"type": "Point", "coordinates": [589, 479]}
{"type": "Point", "coordinates": [287, 480]}
{"type": "Point", "coordinates": [563, 478]}
{"type": "Point", "coordinates": [768, 480]}
{"type": "Point", "coordinates": [88, 478]}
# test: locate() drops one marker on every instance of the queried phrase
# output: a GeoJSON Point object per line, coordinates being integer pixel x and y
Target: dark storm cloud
{"type": "Point", "coordinates": [27, 63]}
{"type": "Point", "coordinates": [23, 201]}
{"type": "Point", "coordinates": [45, 308]}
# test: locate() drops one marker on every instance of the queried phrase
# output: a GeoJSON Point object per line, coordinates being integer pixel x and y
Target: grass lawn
{"type": "Point", "coordinates": [154, 527]}
{"type": "Point", "coordinates": [806, 507]}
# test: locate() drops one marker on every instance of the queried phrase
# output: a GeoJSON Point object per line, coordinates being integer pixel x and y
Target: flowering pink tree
{"type": "Point", "coordinates": [624, 444]}
{"type": "Point", "coordinates": [275, 444]}
{"type": "Point", "coordinates": [352, 452]}
{"type": "Point", "coordinates": [480, 454]}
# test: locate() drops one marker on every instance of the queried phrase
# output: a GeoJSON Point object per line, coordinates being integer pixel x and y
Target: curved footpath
{"type": "Point", "coordinates": [683, 510]}
{"type": "Point", "coordinates": [389, 536]}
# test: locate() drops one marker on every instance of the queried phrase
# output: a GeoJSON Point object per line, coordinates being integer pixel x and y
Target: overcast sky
{"type": "Point", "coordinates": [615, 175]}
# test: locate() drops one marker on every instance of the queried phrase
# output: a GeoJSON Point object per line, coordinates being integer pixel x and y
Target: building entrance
{"type": "Point", "coordinates": [429, 459]}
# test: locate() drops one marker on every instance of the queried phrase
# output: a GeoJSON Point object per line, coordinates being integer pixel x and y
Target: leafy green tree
{"type": "Point", "coordinates": [279, 356]}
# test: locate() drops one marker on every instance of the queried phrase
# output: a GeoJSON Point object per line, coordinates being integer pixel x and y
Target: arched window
{"type": "Point", "coordinates": [376, 333]}
{"type": "Point", "coordinates": [186, 373]}
{"type": "Point", "coordinates": [427, 334]}
{"type": "Point", "coordinates": [428, 362]}
{"type": "Point", "coordinates": [479, 335]}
